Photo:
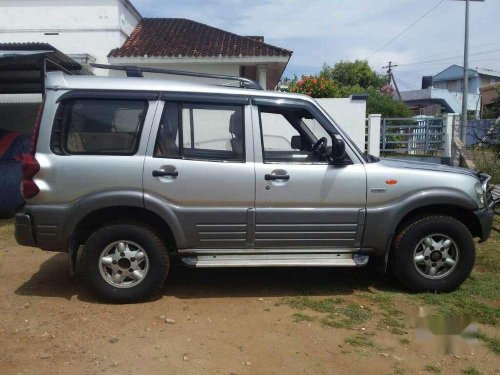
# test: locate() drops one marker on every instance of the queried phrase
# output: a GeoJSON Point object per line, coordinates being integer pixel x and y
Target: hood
{"type": "Point", "coordinates": [395, 163]}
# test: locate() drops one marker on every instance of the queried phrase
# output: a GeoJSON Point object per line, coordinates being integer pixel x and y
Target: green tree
{"type": "Point", "coordinates": [378, 101]}
{"type": "Point", "coordinates": [354, 73]}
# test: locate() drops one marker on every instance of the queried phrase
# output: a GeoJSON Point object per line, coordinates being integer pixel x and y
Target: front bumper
{"type": "Point", "coordinates": [485, 218]}
{"type": "Point", "coordinates": [24, 230]}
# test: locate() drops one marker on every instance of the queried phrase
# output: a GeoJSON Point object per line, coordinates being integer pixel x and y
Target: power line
{"type": "Point", "coordinates": [459, 50]}
{"type": "Point", "coordinates": [406, 29]}
{"type": "Point", "coordinates": [451, 58]}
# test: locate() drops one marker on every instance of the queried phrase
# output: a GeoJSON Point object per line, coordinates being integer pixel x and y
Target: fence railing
{"type": "Point", "coordinates": [413, 135]}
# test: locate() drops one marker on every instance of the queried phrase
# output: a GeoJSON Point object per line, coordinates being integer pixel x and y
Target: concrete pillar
{"type": "Point", "coordinates": [448, 133]}
{"type": "Point", "coordinates": [262, 76]}
{"type": "Point", "coordinates": [373, 146]}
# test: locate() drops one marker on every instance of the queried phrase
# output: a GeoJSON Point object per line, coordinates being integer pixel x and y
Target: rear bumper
{"type": "Point", "coordinates": [24, 230]}
{"type": "Point", "coordinates": [485, 218]}
{"type": "Point", "coordinates": [41, 226]}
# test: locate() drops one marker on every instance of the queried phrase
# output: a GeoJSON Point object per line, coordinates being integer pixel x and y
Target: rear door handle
{"type": "Point", "coordinates": [269, 177]}
{"type": "Point", "coordinates": [162, 173]}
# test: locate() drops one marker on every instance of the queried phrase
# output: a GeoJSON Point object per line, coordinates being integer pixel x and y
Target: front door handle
{"type": "Point", "coordinates": [272, 177]}
{"type": "Point", "coordinates": [162, 173]}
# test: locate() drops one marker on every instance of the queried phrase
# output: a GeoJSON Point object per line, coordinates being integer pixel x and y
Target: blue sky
{"type": "Point", "coordinates": [327, 31]}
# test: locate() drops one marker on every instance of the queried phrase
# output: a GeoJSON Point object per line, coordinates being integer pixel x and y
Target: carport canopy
{"type": "Point", "coordinates": [23, 66]}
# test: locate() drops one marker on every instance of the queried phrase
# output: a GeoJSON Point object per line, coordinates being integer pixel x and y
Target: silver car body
{"type": "Point", "coordinates": [228, 209]}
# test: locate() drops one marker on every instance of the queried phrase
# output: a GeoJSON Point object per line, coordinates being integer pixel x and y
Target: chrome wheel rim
{"type": "Point", "coordinates": [436, 256]}
{"type": "Point", "coordinates": [123, 264]}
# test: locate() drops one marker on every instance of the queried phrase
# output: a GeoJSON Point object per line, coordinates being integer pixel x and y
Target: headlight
{"type": "Point", "coordinates": [480, 194]}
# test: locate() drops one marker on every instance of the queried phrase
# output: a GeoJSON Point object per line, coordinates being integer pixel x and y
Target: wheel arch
{"type": "Point", "coordinates": [119, 214]}
{"type": "Point", "coordinates": [465, 216]}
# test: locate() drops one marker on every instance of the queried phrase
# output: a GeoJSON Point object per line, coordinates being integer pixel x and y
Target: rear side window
{"type": "Point", "coordinates": [201, 131]}
{"type": "Point", "coordinates": [98, 126]}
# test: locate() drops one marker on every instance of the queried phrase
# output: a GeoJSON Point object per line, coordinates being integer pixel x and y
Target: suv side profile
{"type": "Point", "coordinates": [127, 173]}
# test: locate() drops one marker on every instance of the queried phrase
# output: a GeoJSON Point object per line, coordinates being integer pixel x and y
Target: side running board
{"type": "Point", "coordinates": [276, 260]}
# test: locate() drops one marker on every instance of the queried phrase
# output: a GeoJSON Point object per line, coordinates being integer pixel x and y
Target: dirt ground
{"type": "Point", "coordinates": [229, 321]}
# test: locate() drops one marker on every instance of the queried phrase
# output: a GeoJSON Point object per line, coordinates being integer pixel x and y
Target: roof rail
{"type": "Point", "coordinates": [137, 71]}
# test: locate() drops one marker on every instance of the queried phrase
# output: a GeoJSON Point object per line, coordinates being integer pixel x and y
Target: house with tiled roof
{"type": "Point", "coordinates": [113, 31]}
{"type": "Point", "coordinates": [184, 44]}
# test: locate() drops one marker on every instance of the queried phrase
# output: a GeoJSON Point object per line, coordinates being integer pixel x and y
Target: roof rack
{"type": "Point", "coordinates": [137, 71]}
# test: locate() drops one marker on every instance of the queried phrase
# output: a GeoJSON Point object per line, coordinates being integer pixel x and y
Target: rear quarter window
{"type": "Point", "coordinates": [98, 126]}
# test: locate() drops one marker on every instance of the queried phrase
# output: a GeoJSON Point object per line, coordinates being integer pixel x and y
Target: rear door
{"type": "Point", "coordinates": [200, 164]}
{"type": "Point", "coordinates": [302, 200]}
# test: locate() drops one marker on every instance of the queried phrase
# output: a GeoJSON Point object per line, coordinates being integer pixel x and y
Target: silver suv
{"type": "Point", "coordinates": [126, 174]}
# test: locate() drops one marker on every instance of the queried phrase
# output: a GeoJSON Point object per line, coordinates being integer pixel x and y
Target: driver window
{"type": "Point", "coordinates": [291, 135]}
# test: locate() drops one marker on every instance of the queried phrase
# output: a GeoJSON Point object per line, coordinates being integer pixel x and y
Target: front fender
{"type": "Point", "coordinates": [381, 222]}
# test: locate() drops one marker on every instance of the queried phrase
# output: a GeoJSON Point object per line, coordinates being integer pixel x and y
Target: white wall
{"type": "Point", "coordinates": [94, 27]}
{"type": "Point", "coordinates": [350, 115]}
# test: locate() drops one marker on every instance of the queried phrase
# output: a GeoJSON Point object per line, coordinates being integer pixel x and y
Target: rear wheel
{"type": "Point", "coordinates": [435, 253]}
{"type": "Point", "coordinates": [124, 262]}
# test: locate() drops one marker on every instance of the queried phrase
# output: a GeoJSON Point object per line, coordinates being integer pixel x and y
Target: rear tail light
{"type": "Point", "coordinates": [30, 165]}
{"type": "Point", "coordinates": [30, 168]}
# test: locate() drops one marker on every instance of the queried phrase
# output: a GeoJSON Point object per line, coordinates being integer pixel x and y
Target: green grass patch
{"type": "Point", "coordinates": [360, 341]}
{"type": "Point", "coordinates": [492, 343]}
{"type": "Point", "coordinates": [473, 299]}
{"type": "Point", "coordinates": [433, 369]}
{"type": "Point", "coordinates": [336, 314]}
{"type": "Point", "coordinates": [471, 370]}
{"type": "Point", "coordinates": [300, 317]}
{"type": "Point", "coordinates": [404, 341]}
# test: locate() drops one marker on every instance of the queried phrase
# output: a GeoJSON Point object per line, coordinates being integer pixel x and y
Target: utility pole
{"type": "Point", "coordinates": [391, 77]}
{"type": "Point", "coordinates": [465, 88]}
{"type": "Point", "coordinates": [465, 81]}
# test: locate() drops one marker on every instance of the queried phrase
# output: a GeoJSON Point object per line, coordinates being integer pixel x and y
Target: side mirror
{"type": "Point", "coordinates": [338, 150]}
{"type": "Point", "coordinates": [296, 142]}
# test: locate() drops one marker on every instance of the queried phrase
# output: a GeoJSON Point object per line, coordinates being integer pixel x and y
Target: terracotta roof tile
{"type": "Point", "coordinates": [178, 36]}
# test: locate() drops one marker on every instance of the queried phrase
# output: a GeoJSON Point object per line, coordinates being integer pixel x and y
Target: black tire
{"type": "Point", "coordinates": [404, 245]}
{"type": "Point", "coordinates": [148, 239]}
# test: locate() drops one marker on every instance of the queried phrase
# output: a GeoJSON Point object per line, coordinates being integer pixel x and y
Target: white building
{"type": "Point", "coordinates": [85, 30]}
{"type": "Point", "coordinates": [113, 31]}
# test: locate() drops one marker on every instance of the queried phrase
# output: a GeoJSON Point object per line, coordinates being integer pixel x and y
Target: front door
{"type": "Point", "coordinates": [200, 166]}
{"type": "Point", "coordinates": [303, 201]}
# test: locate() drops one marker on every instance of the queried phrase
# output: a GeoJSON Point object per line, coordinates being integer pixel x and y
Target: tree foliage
{"type": "Point", "coordinates": [316, 87]}
{"type": "Point", "coordinates": [354, 73]}
{"type": "Point", "coordinates": [347, 78]}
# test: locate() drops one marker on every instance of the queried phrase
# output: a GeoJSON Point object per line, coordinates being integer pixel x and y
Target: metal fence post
{"type": "Point", "coordinates": [384, 131]}
{"type": "Point", "coordinates": [448, 134]}
{"type": "Point", "coordinates": [426, 136]}
{"type": "Point", "coordinates": [373, 146]}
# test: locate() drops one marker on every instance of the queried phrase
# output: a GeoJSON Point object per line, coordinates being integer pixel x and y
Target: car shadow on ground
{"type": "Point", "coordinates": [53, 279]}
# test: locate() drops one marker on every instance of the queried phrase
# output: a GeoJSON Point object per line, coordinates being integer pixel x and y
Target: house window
{"type": "Point", "coordinates": [201, 131]}
{"type": "Point", "coordinates": [100, 126]}
{"type": "Point", "coordinates": [451, 85]}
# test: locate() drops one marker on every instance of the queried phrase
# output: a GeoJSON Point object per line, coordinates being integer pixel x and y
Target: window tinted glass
{"type": "Point", "coordinates": [212, 132]}
{"type": "Point", "coordinates": [167, 142]}
{"type": "Point", "coordinates": [103, 126]}
{"type": "Point", "coordinates": [277, 132]}
{"type": "Point", "coordinates": [288, 135]}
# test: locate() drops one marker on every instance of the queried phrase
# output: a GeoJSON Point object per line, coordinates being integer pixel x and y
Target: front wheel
{"type": "Point", "coordinates": [124, 262]}
{"type": "Point", "coordinates": [435, 254]}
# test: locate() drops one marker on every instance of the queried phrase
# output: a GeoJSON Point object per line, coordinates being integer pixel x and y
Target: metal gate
{"type": "Point", "coordinates": [417, 135]}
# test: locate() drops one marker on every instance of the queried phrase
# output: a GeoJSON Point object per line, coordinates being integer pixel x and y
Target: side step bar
{"type": "Point", "coordinates": [276, 260]}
